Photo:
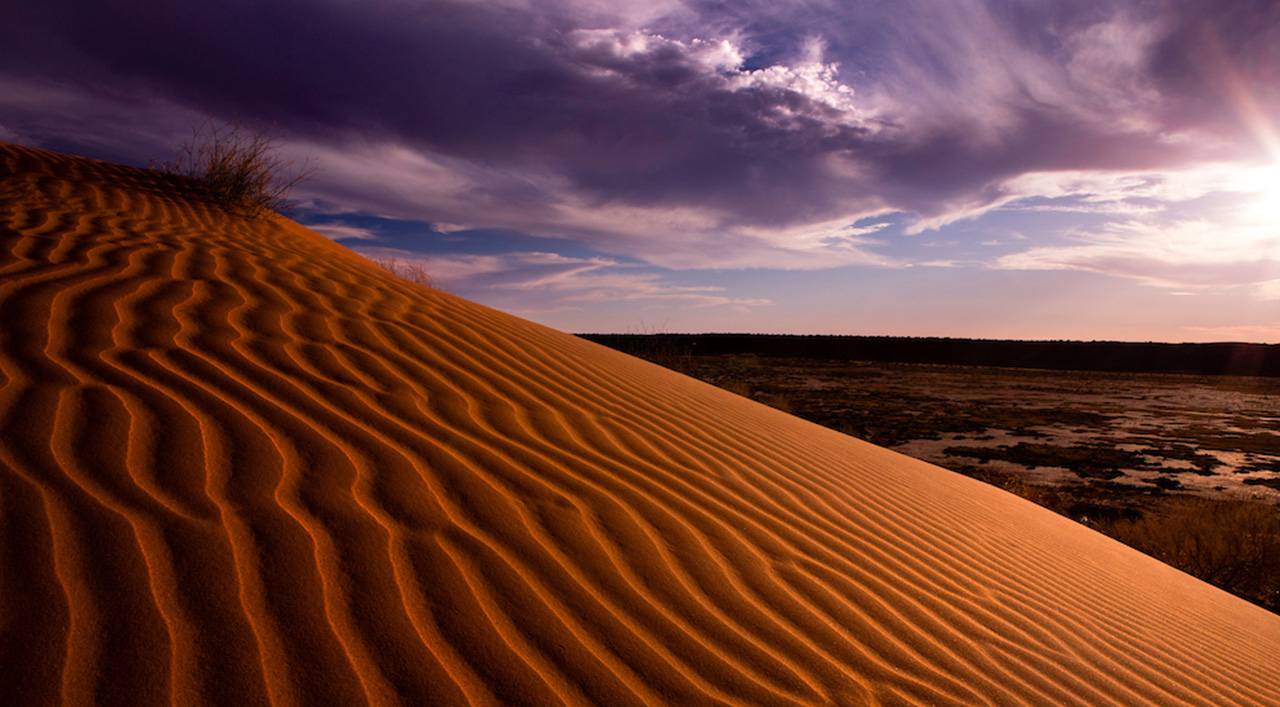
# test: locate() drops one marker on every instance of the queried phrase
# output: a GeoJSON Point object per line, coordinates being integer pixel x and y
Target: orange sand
{"type": "Point", "coordinates": [240, 465]}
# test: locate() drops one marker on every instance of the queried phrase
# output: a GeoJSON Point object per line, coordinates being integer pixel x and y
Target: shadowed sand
{"type": "Point", "coordinates": [240, 465]}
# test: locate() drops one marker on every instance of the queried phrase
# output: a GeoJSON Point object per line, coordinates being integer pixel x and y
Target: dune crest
{"type": "Point", "coordinates": [241, 465]}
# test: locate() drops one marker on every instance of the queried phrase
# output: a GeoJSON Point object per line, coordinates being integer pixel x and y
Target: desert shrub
{"type": "Point", "coordinates": [415, 271]}
{"type": "Point", "coordinates": [1232, 544]}
{"type": "Point", "coordinates": [237, 167]}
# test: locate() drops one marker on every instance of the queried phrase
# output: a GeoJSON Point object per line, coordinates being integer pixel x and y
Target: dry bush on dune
{"type": "Point", "coordinates": [237, 167]}
{"type": "Point", "coordinates": [415, 271]}
{"type": "Point", "coordinates": [1234, 545]}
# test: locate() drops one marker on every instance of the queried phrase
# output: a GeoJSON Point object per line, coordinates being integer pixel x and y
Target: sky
{"type": "Point", "coordinates": [1014, 169]}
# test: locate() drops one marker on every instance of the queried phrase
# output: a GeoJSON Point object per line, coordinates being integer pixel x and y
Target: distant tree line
{"type": "Point", "coordinates": [1237, 359]}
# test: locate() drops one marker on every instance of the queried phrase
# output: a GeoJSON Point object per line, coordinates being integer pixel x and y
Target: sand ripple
{"type": "Point", "coordinates": [240, 465]}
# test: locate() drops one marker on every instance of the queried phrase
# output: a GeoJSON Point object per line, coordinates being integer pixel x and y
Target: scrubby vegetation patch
{"type": "Point", "coordinates": [237, 167]}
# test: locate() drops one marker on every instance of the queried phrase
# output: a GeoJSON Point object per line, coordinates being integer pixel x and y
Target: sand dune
{"type": "Point", "coordinates": [240, 465]}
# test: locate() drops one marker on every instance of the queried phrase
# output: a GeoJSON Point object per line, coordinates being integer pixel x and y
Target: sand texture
{"type": "Point", "coordinates": [240, 465]}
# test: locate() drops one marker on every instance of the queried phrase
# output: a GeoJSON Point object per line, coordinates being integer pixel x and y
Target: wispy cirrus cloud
{"type": "Point", "coordinates": [1151, 235]}
{"type": "Point", "coordinates": [532, 282]}
{"type": "Point", "coordinates": [1267, 290]}
{"type": "Point", "coordinates": [390, 181]}
{"type": "Point", "coordinates": [341, 231]}
{"type": "Point", "coordinates": [1180, 254]}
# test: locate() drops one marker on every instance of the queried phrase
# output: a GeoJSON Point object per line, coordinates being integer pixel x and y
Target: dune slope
{"type": "Point", "coordinates": [240, 465]}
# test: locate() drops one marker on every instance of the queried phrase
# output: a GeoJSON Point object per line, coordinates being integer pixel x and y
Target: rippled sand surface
{"type": "Point", "coordinates": [240, 465]}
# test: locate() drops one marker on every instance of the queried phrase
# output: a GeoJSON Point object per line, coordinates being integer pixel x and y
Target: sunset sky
{"type": "Point", "coordinates": [967, 168]}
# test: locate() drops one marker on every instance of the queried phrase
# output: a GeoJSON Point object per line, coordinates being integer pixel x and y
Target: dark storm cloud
{"type": "Point", "coordinates": [733, 108]}
{"type": "Point", "coordinates": [436, 72]}
{"type": "Point", "coordinates": [501, 86]}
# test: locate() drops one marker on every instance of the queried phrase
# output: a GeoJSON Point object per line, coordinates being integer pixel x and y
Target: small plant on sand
{"type": "Point", "coordinates": [237, 167]}
{"type": "Point", "coordinates": [414, 271]}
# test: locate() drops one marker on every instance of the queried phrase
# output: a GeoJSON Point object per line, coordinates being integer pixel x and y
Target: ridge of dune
{"type": "Point", "coordinates": [240, 464]}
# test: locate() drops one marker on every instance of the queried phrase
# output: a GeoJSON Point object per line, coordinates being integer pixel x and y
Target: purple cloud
{"type": "Point", "coordinates": [734, 131]}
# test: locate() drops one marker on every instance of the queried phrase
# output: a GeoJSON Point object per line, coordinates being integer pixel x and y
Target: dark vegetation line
{"type": "Point", "coordinates": [1233, 359]}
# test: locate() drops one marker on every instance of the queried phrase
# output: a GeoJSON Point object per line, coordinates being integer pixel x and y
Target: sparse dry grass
{"type": "Point", "coordinates": [415, 271]}
{"type": "Point", "coordinates": [237, 167]}
{"type": "Point", "coordinates": [1234, 545]}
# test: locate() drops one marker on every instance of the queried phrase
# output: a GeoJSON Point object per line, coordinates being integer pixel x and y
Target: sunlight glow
{"type": "Point", "coordinates": [1251, 114]}
{"type": "Point", "coordinates": [1264, 209]}
{"type": "Point", "coordinates": [1262, 126]}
